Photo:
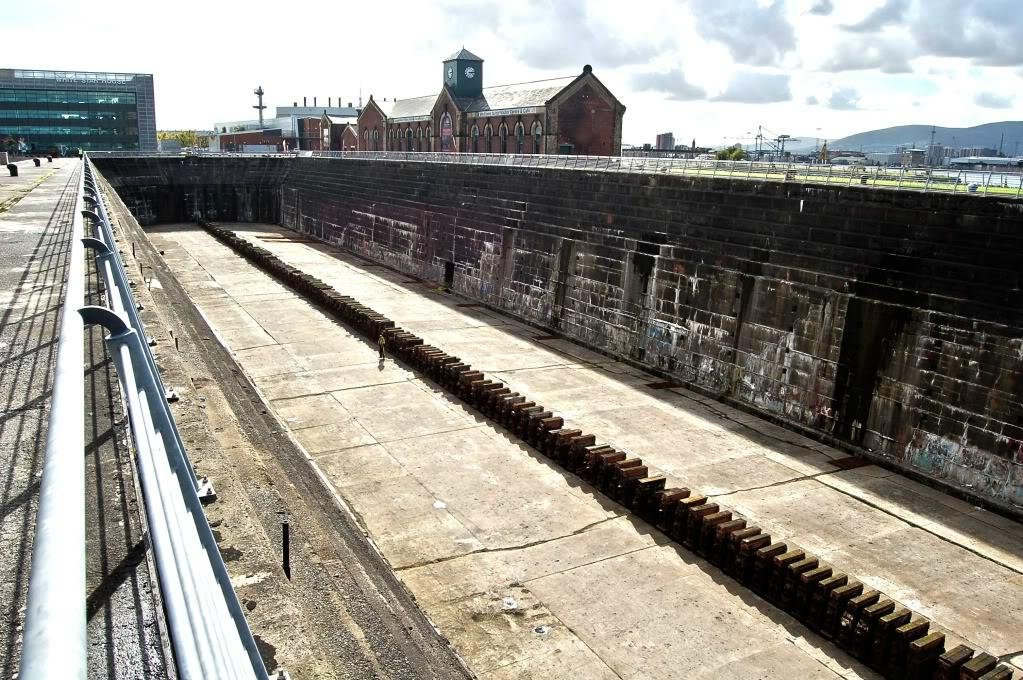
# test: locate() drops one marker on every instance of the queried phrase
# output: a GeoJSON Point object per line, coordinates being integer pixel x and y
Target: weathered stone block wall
{"type": "Point", "coordinates": [179, 189]}
{"type": "Point", "coordinates": [888, 321]}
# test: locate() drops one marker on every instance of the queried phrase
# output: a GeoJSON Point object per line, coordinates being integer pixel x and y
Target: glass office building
{"type": "Point", "coordinates": [59, 112]}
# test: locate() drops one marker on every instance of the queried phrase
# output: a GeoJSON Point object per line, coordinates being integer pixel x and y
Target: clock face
{"type": "Point", "coordinates": [451, 72]}
{"type": "Point", "coordinates": [470, 72]}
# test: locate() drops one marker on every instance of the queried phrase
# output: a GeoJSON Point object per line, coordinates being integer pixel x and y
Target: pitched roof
{"type": "Point", "coordinates": [382, 104]}
{"type": "Point", "coordinates": [412, 107]}
{"type": "Point", "coordinates": [496, 98]}
{"type": "Point", "coordinates": [519, 95]}
{"type": "Point", "coordinates": [464, 54]}
{"type": "Point", "coordinates": [340, 120]}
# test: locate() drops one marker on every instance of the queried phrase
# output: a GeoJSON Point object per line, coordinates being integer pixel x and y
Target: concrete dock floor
{"type": "Point", "coordinates": [527, 570]}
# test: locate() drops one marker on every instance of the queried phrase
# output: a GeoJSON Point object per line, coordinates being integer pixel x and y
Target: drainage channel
{"type": "Point", "coordinates": [872, 627]}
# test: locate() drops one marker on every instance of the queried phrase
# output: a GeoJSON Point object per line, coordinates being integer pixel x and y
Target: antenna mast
{"type": "Point", "coordinates": [259, 94]}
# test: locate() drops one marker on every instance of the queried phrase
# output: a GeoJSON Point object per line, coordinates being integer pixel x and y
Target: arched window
{"type": "Point", "coordinates": [419, 138]}
{"type": "Point", "coordinates": [475, 134]}
{"type": "Point", "coordinates": [520, 138]}
{"type": "Point", "coordinates": [429, 138]}
{"type": "Point", "coordinates": [376, 140]}
{"type": "Point", "coordinates": [503, 135]}
{"type": "Point", "coordinates": [537, 137]}
{"type": "Point", "coordinates": [488, 137]}
{"type": "Point", "coordinates": [365, 139]}
{"type": "Point", "coordinates": [408, 138]}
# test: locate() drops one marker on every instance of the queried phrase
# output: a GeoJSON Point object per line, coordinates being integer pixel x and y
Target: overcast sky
{"type": "Point", "coordinates": [709, 69]}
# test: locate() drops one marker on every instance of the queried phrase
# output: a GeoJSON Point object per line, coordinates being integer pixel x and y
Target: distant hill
{"type": "Point", "coordinates": [887, 139]}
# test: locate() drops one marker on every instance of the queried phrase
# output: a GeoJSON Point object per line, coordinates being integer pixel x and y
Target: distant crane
{"type": "Point", "coordinates": [259, 93]}
{"type": "Point", "coordinates": [769, 144]}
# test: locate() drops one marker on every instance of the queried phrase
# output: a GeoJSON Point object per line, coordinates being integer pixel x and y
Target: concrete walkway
{"type": "Point", "coordinates": [528, 571]}
{"type": "Point", "coordinates": [123, 631]}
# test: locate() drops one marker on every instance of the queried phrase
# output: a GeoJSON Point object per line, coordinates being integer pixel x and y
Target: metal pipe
{"type": "Point", "coordinates": [55, 638]}
{"type": "Point", "coordinates": [209, 632]}
{"type": "Point", "coordinates": [207, 637]}
{"type": "Point", "coordinates": [186, 653]}
{"type": "Point", "coordinates": [120, 297]}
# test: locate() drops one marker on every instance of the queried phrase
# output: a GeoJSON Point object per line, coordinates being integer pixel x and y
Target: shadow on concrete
{"type": "Point", "coordinates": [123, 618]}
{"type": "Point", "coordinates": [29, 342]}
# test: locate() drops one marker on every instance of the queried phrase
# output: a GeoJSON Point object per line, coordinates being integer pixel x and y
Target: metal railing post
{"type": "Point", "coordinates": [116, 280]}
{"type": "Point", "coordinates": [55, 638]}
{"type": "Point", "coordinates": [208, 630]}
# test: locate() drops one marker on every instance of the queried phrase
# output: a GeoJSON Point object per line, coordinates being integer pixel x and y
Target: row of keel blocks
{"type": "Point", "coordinates": [870, 626]}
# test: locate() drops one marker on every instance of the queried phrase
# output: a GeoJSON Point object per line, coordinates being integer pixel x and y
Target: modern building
{"type": "Point", "coordinates": [293, 128]}
{"type": "Point", "coordinates": [883, 158]}
{"type": "Point", "coordinates": [576, 114]}
{"type": "Point", "coordinates": [935, 154]}
{"type": "Point", "coordinates": [981, 162]}
{"type": "Point", "coordinates": [62, 111]}
{"type": "Point", "coordinates": [914, 158]}
{"type": "Point", "coordinates": [666, 141]}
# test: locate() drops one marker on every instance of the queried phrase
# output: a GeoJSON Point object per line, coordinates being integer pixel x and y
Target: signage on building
{"type": "Point", "coordinates": [77, 77]}
{"type": "Point", "coordinates": [410, 119]}
{"type": "Point", "coordinates": [82, 81]}
{"type": "Point", "coordinates": [507, 112]}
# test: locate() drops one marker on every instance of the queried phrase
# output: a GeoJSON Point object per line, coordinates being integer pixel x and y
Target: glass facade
{"type": "Point", "coordinates": [62, 111]}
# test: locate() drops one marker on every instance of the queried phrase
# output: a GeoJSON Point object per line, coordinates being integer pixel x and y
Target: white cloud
{"type": "Point", "coordinates": [692, 67]}
{"type": "Point", "coordinates": [844, 99]}
{"type": "Point", "coordinates": [889, 13]}
{"type": "Point", "coordinates": [747, 87]}
{"type": "Point", "coordinates": [822, 8]}
{"type": "Point", "coordinates": [672, 83]}
{"type": "Point", "coordinates": [755, 34]}
{"type": "Point", "coordinates": [988, 32]}
{"type": "Point", "coordinates": [876, 54]}
{"type": "Point", "coordinates": [990, 100]}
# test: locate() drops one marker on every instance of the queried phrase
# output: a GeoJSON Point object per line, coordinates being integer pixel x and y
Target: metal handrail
{"type": "Point", "coordinates": [55, 623]}
{"type": "Point", "coordinates": [209, 634]}
{"type": "Point", "coordinates": [116, 280]}
{"type": "Point", "coordinates": [897, 179]}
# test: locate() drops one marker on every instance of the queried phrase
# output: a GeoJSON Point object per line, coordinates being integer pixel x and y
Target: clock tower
{"type": "Point", "coordinates": [463, 73]}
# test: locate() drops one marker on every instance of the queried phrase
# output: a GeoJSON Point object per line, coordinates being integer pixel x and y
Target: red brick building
{"type": "Point", "coordinates": [563, 115]}
{"type": "Point", "coordinates": [338, 133]}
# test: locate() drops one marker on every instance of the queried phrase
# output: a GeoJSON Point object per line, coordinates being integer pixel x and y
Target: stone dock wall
{"type": "Point", "coordinates": [889, 322]}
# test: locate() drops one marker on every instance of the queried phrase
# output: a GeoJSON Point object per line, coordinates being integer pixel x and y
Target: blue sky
{"type": "Point", "coordinates": [709, 69]}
